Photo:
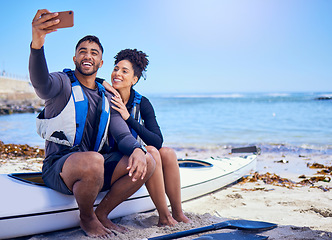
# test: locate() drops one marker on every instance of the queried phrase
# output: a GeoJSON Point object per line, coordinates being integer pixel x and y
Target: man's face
{"type": "Point", "coordinates": [88, 58]}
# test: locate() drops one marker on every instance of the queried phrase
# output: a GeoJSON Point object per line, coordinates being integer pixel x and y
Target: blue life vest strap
{"type": "Point", "coordinates": [135, 111]}
{"type": "Point", "coordinates": [82, 106]}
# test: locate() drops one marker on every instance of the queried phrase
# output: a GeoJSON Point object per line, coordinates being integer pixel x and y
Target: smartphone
{"type": "Point", "coordinates": [66, 20]}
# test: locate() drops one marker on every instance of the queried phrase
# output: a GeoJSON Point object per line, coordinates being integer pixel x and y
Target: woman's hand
{"type": "Point", "coordinates": [120, 107]}
{"type": "Point", "coordinates": [111, 89]}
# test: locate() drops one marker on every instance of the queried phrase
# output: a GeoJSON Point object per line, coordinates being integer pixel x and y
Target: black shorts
{"type": "Point", "coordinates": [52, 167]}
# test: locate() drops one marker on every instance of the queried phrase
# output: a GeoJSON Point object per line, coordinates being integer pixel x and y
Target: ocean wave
{"type": "Point", "coordinates": [278, 94]}
{"type": "Point", "coordinates": [303, 148]}
{"type": "Point", "coordinates": [233, 95]}
{"type": "Point", "coordinates": [264, 147]}
{"type": "Point", "coordinates": [327, 96]}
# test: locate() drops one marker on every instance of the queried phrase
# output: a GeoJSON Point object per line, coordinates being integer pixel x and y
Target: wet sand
{"type": "Point", "coordinates": [301, 212]}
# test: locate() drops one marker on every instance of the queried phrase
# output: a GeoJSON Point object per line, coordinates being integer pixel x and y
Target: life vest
{"type": "Point", "coordinates": [136, 114]}
{"type": "Point", "coordinates": [67, 128]}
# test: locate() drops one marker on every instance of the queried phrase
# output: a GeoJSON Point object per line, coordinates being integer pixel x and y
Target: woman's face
{"type": "Point", "coordinates": [123, 75]}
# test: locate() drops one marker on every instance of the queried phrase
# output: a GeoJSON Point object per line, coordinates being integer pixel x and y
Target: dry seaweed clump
{"type": "Point", "coordinates": [270, 178]}
{"type": "Point", "coordinates": [326, 170]}
{"type": "Point", "coordinates": [20, 150]}
{"type": "Point", "coordinates": [274, 179]}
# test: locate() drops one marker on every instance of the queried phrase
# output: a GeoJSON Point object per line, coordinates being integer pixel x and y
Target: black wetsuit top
{"type": "Point", "coordinates": [150, 133]}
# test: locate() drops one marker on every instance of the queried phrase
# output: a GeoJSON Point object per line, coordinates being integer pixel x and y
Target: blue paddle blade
{"type": "Point", "coordinates": [232, 224]}
{"type": "Point", "coordinates": [245, 225]}
{"type": "Point", "coordinates": [231, 236]}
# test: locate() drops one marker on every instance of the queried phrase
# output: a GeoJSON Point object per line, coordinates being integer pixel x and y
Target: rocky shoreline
{"type": "Point", "coordinates": [18, 96]}
{"type": "Point", "coordinates": [8, 106]}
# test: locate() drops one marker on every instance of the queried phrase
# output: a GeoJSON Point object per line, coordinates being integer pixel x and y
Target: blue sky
{"type": "Point", "coordinates": [194, 46]}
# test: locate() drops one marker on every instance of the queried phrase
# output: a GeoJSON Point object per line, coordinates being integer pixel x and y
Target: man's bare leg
{"type": "Point", "coordinates": [83, 173]}
{"type": "Point", "coordinates": [156, 188]}
{"type": "Point", "coordinates": [122, 187]}
{"type": "Point", "coordinates": [172, 182]}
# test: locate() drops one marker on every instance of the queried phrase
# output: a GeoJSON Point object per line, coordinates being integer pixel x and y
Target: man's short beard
{"type": "Point", "coordinates": [81, 72]}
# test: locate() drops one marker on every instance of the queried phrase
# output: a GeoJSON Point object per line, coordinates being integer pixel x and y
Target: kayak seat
{"type": "Point", "coordinates": [193, 163]}
{"type": "Point", "coordinates": [32, 178]}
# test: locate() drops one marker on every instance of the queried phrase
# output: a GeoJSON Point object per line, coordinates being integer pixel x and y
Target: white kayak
{"type": "Point", "coordinates": [28, 208]}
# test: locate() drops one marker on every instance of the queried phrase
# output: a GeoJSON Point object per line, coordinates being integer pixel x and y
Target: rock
{"type": "Point", "coordinates": [20, 106]}
{"type": "Point", "coordinates": [17, 96]}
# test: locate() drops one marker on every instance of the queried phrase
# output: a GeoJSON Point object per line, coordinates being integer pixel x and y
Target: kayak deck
{"type": "Point", "coordinates": [36, 177]}
{"type": "Point", "coordinates": [37, 208]}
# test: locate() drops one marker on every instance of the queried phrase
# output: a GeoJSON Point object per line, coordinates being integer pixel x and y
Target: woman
{"type": "Point", "coordinates": [139, 114]}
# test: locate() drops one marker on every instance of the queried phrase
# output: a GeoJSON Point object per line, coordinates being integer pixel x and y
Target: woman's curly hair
{"type": "Point", "coordinates": [137, 58]}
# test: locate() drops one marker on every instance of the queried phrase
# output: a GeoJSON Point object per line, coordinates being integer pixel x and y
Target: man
{"type": "Point", "coordinates": [76, 122]}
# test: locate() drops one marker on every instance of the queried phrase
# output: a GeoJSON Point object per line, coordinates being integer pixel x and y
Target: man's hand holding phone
{"type": "Point", "coordinates": [46, 22]}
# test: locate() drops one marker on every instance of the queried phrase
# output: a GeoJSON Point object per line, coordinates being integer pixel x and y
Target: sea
{"type": "Point", "coordinates": [272, 121]}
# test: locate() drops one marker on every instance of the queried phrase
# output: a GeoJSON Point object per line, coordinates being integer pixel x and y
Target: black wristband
{"type": "Point", "coordinates": [143, 149]}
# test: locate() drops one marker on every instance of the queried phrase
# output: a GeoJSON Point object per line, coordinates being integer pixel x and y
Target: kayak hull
{"type": "Point", "coordinates": [198, 182]}
{"type": "Point", "coordinates": [28, 209]}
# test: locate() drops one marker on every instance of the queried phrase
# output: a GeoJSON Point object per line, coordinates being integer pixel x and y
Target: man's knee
{"type": "Point", "coordinates": [93, 163]}
{"type": "Point", "coordinates": [85, 164]}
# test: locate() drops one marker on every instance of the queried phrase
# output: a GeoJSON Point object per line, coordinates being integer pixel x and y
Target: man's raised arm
{"type": "Point", "coordinates": [39, 75]}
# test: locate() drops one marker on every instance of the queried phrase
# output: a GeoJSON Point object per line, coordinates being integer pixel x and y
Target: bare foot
{"type": "Point", "coordinates": [112, 226]}
{"type": "Point", "coordinates": [180, 217]}
{"type": "Point", "coordinates": [93, 228]}
{"type": "Point", "coordinates": [166, 221]}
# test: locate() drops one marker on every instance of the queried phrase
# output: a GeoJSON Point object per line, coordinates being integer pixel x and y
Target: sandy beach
{"type": "Point", "coordinates": [301, 211]}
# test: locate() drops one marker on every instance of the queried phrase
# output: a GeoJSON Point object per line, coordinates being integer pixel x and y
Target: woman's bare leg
{"type": "Point", "coordinates": [172, 182]}
{"type": "Point", "coordinates": [156, 188]}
